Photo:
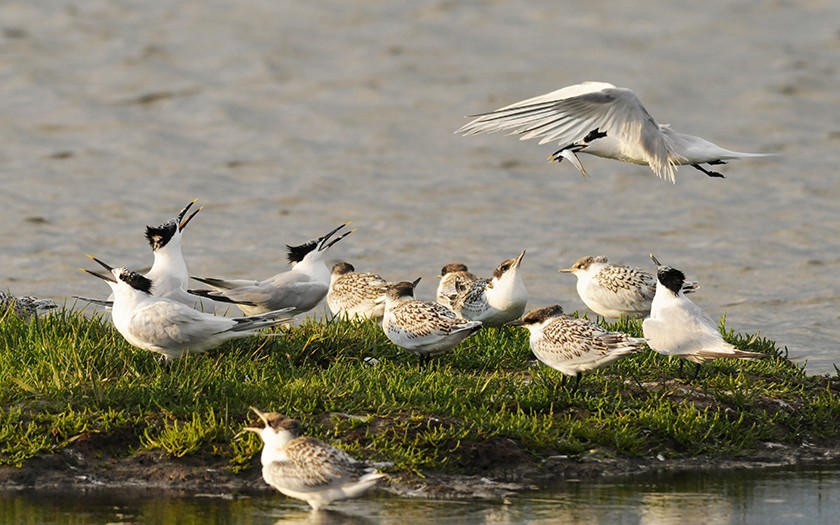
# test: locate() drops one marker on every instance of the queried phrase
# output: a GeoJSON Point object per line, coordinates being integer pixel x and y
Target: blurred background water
{"type": "Point", "coordinates": [287, 118]}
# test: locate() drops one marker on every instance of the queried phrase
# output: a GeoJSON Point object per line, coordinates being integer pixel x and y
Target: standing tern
{"type": "Point", "coordinates": [421, 327]}
{"type": "Point", "coordinates": [603, 120]}
{"type": "Point", "coordinates": [679, 327]}
{"type": "Point", "coordinates": [300, 288]}
{"type": "Point", "coordinates": [614, 290]}
{"type": "Point", "coordinates": [495, 301]}
{"type": "Point", "coordinates": [169, 270]}
{"type": "Point", "coordinates": [308, 469]}
{"type": "Point", "coordinates": [168, 327]}
{"type": "Point", "coordinates": [572, 346]}
{"type": "Point", "coordinates": [356, 294]}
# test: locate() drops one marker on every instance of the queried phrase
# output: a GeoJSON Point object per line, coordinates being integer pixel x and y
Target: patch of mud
{"type": "Point", "coordinates": [493, 472]}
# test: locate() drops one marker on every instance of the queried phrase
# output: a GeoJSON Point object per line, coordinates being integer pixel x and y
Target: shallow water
{"type": "Point", "coordinates": [287, 118]}
{"type": "Point", "coordinates": [807, 496]}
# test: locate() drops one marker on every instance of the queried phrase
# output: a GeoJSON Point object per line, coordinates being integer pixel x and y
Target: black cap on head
{"type": "Point", "coordinates": [541, 314]}
{"type": "Point", "coordinates": [159, 236]}
{"type": "Point", "coordinates": [671, 278]}
{"type": "Point", "coordinates": [136, 281]}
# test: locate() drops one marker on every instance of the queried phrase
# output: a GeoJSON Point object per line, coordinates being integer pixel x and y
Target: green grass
{"type": "Point", "coordinates": [72, 377]}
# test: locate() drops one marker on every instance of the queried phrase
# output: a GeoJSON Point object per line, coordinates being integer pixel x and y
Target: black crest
{"type": "Point", "coordinates": [159, 236]}
{"type": "Point", "coordinates": [297, 253]}
{"type": "Point", "coordinates": [671, 278]}
{"type": "Point", "coordinates": [136, 281]}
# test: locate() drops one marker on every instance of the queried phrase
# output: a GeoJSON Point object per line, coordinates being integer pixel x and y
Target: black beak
{"type": "Point", "coordinates": [324, 244]}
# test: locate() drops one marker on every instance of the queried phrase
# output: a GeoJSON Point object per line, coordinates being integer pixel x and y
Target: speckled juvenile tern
{"type": "Point", "coordinates": [495, 301]}
{"type": "Point", "coordinates": [452, 276]}
{"type": "Point", "coordinates": [421, 327]}
{"type": "Point", "coordinates": [572, 346]}
{"type": "Point", "coordinates": [356, 294]}
{"type": "Point", "coordinates": [615, 290]}
{"type": "Point", "coordinates": [308, 469]}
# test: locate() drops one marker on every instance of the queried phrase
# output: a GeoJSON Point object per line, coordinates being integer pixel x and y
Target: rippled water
{"type": "Point", "coordinates": [809, 496]}
{"type": "Point", "coordinates": [286, 118]}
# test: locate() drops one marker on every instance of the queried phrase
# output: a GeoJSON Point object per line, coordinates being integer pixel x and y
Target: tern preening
{"type": "Point", "coordinates": [168, 327]}
{"type": "Point", "coordinates": [607, 121]}
{"type": "Point", "coordinates": [450, 276]}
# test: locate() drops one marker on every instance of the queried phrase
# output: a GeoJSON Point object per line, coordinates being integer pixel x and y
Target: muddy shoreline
{"type": "Point", "coordinates": [77, 470]}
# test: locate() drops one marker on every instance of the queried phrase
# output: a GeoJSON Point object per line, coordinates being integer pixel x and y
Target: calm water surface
{"type": "Point", "coordinates": [286, 118]}
{"type": "Point", "coordinates": [809, 496]}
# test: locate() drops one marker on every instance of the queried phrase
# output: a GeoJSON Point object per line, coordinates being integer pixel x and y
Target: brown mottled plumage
{"type": "Point", "coordinates": [421, 327]}
{"type": "Point", "coordinates": [494, 301]}
{"type": "Point", "coordinates": [452, 277]}
{"type": "Point", "coordinates": [354, 293]}
{"type": "Point", "coordinates": [25, 306]}
{"type": "Point", "coordinates": [572, 345]}
{"type": "Point", "coordinates": [612, 290]}
{"type": "Point", "coordinates": [306, 468]}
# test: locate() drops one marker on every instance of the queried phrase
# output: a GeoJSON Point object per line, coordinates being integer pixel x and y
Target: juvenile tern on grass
{"type": "Point", "coordinates": [614, 290]}
{"type": "Point", "coordinates": [572, 346]}
{"type": "Point", "coordinates": [603, 120]}
{"type": "Point", "coordinates": [307, 469]}
{"type": "Point", "coordinates": [421, 327]}
{"type": "Point", "coordinates": [356, 294]}
{"type": "Point", "coordinates": [679, 327]}
{"type": "Point", "coordinates": [168, 327]}
{"type": "Point", "coordinates": [452, 276]}
{"type": "Point", "coordinates": [25, 306]}
{"type": "Point", "coordinates": [300, 288]}
{"type": "Point", "coordinates": [495, 301]}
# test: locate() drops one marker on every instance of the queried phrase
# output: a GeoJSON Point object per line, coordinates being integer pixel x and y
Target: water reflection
{"type": "Point", "coordinates": [807, 496]}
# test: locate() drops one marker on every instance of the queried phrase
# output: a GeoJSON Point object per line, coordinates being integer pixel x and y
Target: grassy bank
{"type": "Point", "coordinates": [71, 378]}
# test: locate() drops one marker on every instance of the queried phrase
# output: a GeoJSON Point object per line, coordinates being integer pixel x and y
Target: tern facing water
{"type": "Point", "coordinates": [308, 469]}
{"type": "Point", "coordinates": [168, 327]}
{"type": "Point", "coordinates": [679, 327]}
{"type": "Point", "coordinates": [603, 120]}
